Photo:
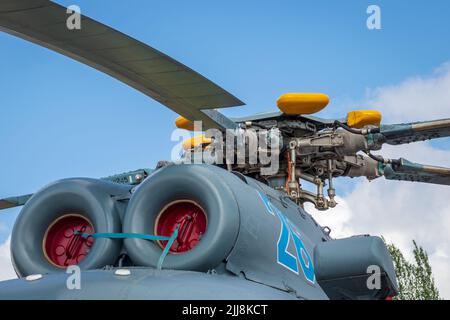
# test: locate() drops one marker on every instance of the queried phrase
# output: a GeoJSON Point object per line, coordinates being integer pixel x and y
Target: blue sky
{"type": "Point", "coordinates": [59, 118]}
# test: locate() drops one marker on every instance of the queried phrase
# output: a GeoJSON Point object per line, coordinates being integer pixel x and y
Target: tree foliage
{"type": "Point", "coordinates": [415, 279]}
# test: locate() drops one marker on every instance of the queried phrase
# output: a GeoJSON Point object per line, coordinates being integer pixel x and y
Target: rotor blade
{"type": "Point", "coordinates": [409, 171]}
{"type": "Point", "coordinates": [396, 134]}
{"type": "Point", "coordinates": [14, 201]}
{"type": "Point", "coordinates": [221, 120]}
{"type": "Point", "coordinates": [146, 69]}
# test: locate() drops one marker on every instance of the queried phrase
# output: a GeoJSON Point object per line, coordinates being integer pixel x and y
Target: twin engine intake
{"type": "Point", "coordinates": [46, 234]}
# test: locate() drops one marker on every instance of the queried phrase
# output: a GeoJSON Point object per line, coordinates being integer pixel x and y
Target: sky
{"type": "Point", "coordinates": [59, 118]}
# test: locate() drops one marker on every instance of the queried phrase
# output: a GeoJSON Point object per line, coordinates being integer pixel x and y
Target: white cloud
{"type": "Point", "coordinates": [415, 99]}
{"type": "Point", "coordinates": [6, 268]}
{"type": "Point", "coordinates": [403, 211]}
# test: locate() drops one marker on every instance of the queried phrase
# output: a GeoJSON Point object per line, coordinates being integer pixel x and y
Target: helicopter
{"type": "Point", "coordinates": [231, 228]}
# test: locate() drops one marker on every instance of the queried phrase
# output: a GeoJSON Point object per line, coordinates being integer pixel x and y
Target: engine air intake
{"type": "Point", "coordinates": [190, 218]}
{"type": "Point", "coordinates": [62, 247]}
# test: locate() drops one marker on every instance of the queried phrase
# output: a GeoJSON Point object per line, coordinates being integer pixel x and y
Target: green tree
{"type": "Point", "coordinates": [415, 280]}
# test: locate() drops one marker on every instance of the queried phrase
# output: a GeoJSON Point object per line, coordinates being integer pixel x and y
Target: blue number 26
{"type": "Point", "coordinates": [287, 232]}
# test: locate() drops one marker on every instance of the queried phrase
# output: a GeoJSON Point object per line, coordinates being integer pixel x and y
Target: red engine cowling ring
{"type": "Point", "coordinates": [90, 201]}
{"type": "Point", "coordinates": [62, 246]}
{"type": "Point", "coordinates": [191, 220]}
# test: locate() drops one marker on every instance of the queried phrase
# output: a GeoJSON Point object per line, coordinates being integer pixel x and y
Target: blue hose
{"type": "Point", "coordinates": [170, 240]}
